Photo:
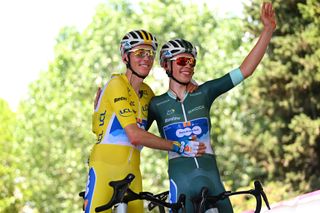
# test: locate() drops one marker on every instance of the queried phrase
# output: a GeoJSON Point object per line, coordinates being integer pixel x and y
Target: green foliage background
{"type": "Point", "coordinates": [267, 128]}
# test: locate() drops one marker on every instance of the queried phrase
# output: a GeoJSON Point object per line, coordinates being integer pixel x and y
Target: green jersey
{"type": "Point", "coordinates": [189, 119]}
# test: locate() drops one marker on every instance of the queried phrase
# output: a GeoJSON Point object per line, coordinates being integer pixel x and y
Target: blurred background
{"type": "Point", "coordinates": [54, 55]}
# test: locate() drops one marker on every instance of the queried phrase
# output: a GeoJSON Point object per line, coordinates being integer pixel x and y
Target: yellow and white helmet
{"type": "Point", "coordinates": [135, 38]}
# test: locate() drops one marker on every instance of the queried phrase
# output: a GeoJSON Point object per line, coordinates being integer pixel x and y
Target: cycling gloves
{"type": "Point", "coordinates": [186, 148]}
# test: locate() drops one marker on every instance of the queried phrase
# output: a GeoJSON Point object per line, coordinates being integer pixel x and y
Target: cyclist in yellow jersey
{"type": "Point", "coordinates": [119, 121]}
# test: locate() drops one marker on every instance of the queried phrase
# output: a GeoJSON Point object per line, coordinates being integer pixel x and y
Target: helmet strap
{"type": "Point", "coordinates": [170, 75]}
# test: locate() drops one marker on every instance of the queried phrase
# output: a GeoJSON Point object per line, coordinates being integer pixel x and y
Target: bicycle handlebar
{"type": "Point", "coordinates": [123, 194]}
{"type": "Point", "coordinates": [120, 188]}
{"type": "Point", "coordinates": [159, 200]}
{"type": "Point", "coordinates": [200, 201]}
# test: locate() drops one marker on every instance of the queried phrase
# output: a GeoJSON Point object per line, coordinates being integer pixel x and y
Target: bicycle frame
{"type": "Point", "coordinates": [200, 201]}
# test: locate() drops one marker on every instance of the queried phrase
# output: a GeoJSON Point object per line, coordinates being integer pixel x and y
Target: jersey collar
{"type": "Point", "coordinates": [174, 96]}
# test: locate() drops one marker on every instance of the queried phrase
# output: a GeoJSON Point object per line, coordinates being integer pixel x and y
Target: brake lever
{"type": "Point", "coordinates": [258, 186]}
{"type": "Point", "coordinates": [204, 195]}
{"type": "Point", "coordinates": [180, 204]}
{"type": "Point", "coordinates": [119, 188]}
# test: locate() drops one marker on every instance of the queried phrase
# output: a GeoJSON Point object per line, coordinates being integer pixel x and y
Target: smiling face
{"type": "Point", "coordinates": [141, 59]}
{"type": "Point", "coordinates": [183, 67]}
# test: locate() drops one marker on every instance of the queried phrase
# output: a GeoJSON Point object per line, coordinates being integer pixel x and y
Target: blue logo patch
{"type": "Point", "coordinates": [167, 54]}
{"type": "Point", "coordinates": [181, 132]}
{"type": "Point", "coordinates": [127, 45]}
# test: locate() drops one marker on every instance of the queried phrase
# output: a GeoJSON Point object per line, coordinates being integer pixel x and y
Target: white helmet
{"type": "Point", "coordinates": [175, 47]}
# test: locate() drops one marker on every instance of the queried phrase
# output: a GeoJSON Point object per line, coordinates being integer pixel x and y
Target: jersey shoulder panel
{"type": "Point", "coordinates": [159, 101]}
{"type": "Point", "coordinates": [159, 104]}
{"type": "Point", "coordinates": [111, 91]}
{"type": "Point", "coordinates": [116, 85]}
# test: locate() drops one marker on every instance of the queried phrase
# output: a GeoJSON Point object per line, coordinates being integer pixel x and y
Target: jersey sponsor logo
{"type": "Point", "coordinates": [196, 109]}
{"type": "Point", "coordinates": [198, 127]}
{"type": "Point", "coordinates": [119, 99]}
{"type": "Point", "coordinates": [196, 130]}
{"type": "Point", "coordinates": [179, 131]}
{"type": "Point", "coordinates": [145, 110]}
{"type": "Point", "coordinates": [162, 102]}
{"type": "Point", "coordinates": [187, 123]}
{"type": "Point", "coordinates": [126, 112]}
{"type": "Point", "coordinates": [195, 93]}
{"type": "Point", "coordinates": [170, 111]}
{"type": "Point", "coordinates": [143, 92]}
{"type": "Point", "coordinates": [101, 118]}
{"type": "Point", "coordinates": [172, 119]}
{"type": "Point", "coordinates": [100, 137]}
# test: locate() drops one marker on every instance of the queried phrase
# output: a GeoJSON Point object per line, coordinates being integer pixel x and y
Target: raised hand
{"type": "Point", "coordinates": [268, 16]}
{"type": "Point", "coordinates": [252, 60]}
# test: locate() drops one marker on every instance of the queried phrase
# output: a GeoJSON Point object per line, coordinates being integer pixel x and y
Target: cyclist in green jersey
{"type": "Point", "coordinates": [182, 116]}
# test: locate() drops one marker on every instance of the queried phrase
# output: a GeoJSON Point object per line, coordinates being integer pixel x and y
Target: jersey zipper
{"type": "Point", "coordinates": [186, 121]}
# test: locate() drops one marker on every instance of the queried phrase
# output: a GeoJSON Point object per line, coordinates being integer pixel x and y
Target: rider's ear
{"type": "Point", "coordinates": [165, 64]}
{"type": "Point", "coordinates": [125, 58]}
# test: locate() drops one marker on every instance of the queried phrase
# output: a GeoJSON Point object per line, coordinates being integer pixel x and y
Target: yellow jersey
{"type": "Point", "coordinates": [117, 107]}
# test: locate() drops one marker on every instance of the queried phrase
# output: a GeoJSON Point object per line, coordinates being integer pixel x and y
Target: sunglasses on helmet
{"type": "Point", "coordinates": [183, 61]}
{"type": "Point", "coordinates": [141, 53]}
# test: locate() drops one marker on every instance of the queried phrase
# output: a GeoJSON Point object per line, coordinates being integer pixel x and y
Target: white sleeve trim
{"type": "Point", "coordinates": [236, 76]}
